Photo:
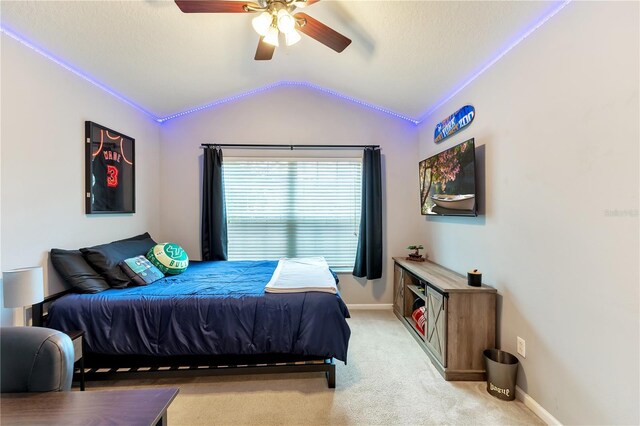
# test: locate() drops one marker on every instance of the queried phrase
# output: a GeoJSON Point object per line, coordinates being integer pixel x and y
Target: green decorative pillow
{"type": "Point", "coordinates": [170, 258]}
{"type": "Point", "coordinates": [140, 270]}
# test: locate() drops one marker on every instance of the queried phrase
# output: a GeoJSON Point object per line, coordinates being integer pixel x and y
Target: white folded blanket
{"type": "Point", "coordinates": [302, 274]}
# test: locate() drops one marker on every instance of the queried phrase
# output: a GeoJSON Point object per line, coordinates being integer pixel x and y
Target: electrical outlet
{"type": "Point", "coordinates": [522, 348]}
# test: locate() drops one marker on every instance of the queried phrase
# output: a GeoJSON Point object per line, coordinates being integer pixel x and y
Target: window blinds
{"type": "Point", "coordinates": [293, 208]}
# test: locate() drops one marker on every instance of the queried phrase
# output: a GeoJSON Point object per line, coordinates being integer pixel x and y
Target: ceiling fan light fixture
{"type": "Point", "coordinates": [272, 36]}
{"type": "Point", "coordinates": [286, 22]}
{"type": "Point", "coordinates": [262, 23]}
{"type": "Point", "coordinates": [292, 37]}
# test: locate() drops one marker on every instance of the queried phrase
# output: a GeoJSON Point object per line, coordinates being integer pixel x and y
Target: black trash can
{"type": "Point", "coordinates": [502, 371]}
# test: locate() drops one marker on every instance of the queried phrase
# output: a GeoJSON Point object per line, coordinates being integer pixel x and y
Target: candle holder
{"type": "Point", "coordinates": [474, 278]}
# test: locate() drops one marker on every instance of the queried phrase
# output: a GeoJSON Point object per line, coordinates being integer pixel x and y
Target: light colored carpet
{"type": "Point", "coordinates": [388, 381]}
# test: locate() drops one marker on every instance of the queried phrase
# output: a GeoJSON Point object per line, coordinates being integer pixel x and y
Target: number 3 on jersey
{"type": "Point", "coordinates": [112, 176]}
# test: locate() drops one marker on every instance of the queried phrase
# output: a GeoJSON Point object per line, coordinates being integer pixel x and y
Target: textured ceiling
{"type": "Point", "coordinates": [406, 56]}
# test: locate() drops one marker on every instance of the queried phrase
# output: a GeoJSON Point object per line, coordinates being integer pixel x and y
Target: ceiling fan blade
{"type": "Point", "coordinates": [319, 31]}
{"type": "Point", "coordinates": [303, 3]}
{"type": "Point", "coordinates": [264, 51]}
{"type": "Point", "coordinates": [213, 6]}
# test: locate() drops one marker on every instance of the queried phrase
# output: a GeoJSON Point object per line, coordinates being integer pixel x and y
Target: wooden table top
{"type": "Point", "coordinates": [447, 280]}
{"type": "Point", "coordinates": [114, 407]}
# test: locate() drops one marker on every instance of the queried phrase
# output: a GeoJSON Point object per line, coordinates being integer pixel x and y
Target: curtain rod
{"type": "Point", "coordinates": [290, 147]}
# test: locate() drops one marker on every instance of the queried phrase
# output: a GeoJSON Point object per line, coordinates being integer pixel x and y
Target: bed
{"type": "Point", "coordinates": [216, 314]}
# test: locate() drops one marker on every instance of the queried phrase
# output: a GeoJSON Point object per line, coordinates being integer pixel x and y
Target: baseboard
{"type": "Point", "coordinates": [537, 409]}
{"type": "Point", "coordinates": [370, 306]}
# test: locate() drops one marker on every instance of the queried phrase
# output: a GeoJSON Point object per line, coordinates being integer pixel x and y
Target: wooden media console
{"type": "Point", "coordinates": [460, 319]}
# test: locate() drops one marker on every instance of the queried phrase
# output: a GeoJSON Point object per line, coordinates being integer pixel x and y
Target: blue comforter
{"type": "Point", "coordinates": [214, 308]}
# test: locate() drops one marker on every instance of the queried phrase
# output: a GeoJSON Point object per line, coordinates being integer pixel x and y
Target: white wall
{"type": "Point", "coordinates": [557, 120]}
{"type": "Point", "coordinates": [44, 108]}
{"type": "Point", "coordinates": [292, 115]}
{"type": "Point", "coordinates": [6, 315]}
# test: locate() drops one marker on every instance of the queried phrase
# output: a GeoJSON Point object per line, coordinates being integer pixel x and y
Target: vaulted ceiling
{"type": "Point", "coordinates": [406, 56]}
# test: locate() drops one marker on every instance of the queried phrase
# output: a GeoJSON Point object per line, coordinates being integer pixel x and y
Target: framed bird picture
{"type": "Point", "coordinates": [109, 171]}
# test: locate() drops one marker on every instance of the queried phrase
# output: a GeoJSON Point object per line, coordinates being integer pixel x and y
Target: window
{"type": "Point", "coordinates": [293, 208]}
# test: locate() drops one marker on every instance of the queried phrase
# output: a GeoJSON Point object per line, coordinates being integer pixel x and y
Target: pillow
{"type": "Point", "coordinates": [140, 270]}
{"type": "Point", "coordinates": [105, 257]}
{"type": "Point", "coordinates": [170, 258]}
{"type": "Point", "coordinates": [77, 272]}
{"type": "Point", "coordinates": [419, 319]}
{"type": "Point", "coordinates": [144, 236]}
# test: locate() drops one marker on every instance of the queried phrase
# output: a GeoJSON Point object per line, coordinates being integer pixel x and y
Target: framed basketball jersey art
{"type": "Point", "coordinates": [109, 170]}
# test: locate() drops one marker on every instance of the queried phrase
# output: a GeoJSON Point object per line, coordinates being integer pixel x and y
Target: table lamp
{"type": "Point", "coordinates": [23, 287]}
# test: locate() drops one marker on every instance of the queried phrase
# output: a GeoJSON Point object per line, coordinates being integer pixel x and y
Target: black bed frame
{"type": "Point", "coordinates": [109, 367]}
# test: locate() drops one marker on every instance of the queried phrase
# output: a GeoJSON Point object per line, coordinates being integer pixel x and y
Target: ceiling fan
{"type": "Point", "coordinates": [275, 17]}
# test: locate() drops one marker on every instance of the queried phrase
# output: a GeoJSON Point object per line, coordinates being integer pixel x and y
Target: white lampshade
{"type": "Point", "coordinates": [272, 36]}
{"type": "Point", "coordinates": [286, 22]}
{"type": "Point", "coordinates": [23, 287]}
{"type": "Point", "coordinates": [292, 37]}
{"type": "Point", "coordinates": [261, 23]}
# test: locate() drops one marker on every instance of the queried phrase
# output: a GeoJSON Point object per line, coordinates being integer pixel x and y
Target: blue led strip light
{"type": "Point", "coordinates": [289, 83]}
{"type": "Point", "coordinates": [221, 101]}
{"type": "Point", "coordinates": [517, 41]}
{"type": "Point", "coordinates": [77, 72]}
{"type": "Point", "coordinates": [416, 122]}
{"type": "Point", "coordinates": [350, 99]}
{"type": "Point", "coordinates": [268, 87]}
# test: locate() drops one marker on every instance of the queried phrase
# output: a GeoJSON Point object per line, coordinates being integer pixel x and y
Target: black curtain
{"type": "Point", "coordinates": [214, 210]}
{"type": "Point", "coordinates": [369, 255]}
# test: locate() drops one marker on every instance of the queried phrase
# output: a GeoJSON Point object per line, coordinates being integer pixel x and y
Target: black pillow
{"type": "Point", "coordinates": [77, 272]}
{"type": "Point", "coordinates": [144, 236]}
{"type": "Point", "coordinates": [105, 257]}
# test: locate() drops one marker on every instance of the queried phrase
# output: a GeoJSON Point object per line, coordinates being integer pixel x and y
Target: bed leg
{"type": "Point", "coordinates": [331, 375]}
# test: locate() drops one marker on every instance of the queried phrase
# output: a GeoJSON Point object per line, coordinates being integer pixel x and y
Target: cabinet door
{"type": "Point", "coordinates": [435, 337]}
{"type": "Point", "coordinates": [398, 289]}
